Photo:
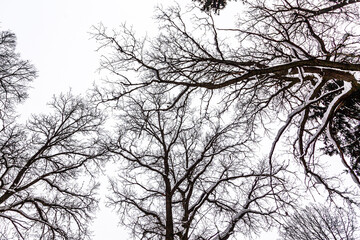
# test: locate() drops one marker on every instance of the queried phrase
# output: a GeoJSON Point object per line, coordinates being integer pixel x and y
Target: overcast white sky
{"type": "Point", "coordinates": [54, 36]}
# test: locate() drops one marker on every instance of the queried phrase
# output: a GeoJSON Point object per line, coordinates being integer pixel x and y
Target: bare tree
{"type": "Point", "coordinates": [15, 75]}
{"type": "Point", "coordinates": [319, 223]}
{"type": "Point", "coordinates": [44, 193]}
{"type": "Point", "coordinates": [46, 165]}
{"type": "Point", "coordinates": [297, 61]}
{"type": "Point", "coordinates": [187, 176]}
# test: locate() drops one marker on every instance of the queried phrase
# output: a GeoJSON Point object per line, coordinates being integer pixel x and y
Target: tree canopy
{"type": "Point", "coordinates": [188, 176]}
{"type": "Point", "coordinates": [15, 75]}
{"type": "Point", "coordinates": [319, 222]}
{"type": "Point", "coordinates": [215, 5]}
{"type": "Point", "coordinates": [295, 63]}
{"type": "Point", "coordinates": [42, 162]}
{"type": "Point", "coordinates": [193, 107]}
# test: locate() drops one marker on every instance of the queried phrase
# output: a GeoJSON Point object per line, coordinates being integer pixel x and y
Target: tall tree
{"type": "Point", "coordinates": [187, 176]}
{"type": "Point", "coordinates": [44, 193]}
{"type": "Point", "coordinates": [15, 75]}
{"type": "Point", "coordinates": [294, 62]}
{"type": "Point", "coordinates": [319, 223]}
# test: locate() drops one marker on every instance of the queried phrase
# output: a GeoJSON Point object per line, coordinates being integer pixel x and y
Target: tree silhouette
{"type": "Point", "coordinates": [318, 223]}
{"type": "Point", "coordinates": [212, 4]}
{"type": "Point", "coordinates": [43, 190]}
{"type": "Point", "coordinates": [295, 63]}
{"type": "Point", "coordinates": [15, 75]}
{"type": "Point", "coordinates": [186, 176]}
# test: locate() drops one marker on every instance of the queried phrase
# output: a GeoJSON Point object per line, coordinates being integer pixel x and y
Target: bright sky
{"type": "Point", "coordinates": [54, 36]}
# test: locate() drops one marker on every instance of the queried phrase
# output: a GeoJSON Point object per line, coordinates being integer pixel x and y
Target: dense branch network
{"type": "Point", "coordinates": [43, 190]}
{"type": "Point", "coordinates": [320, 222]}
{"type": "Point", "coordinates": [295, 62]}
{"type": "Point", "coordinates": [15, 76]}
{"type": "Point", "coordinates": [186, 176]}
{"type": "Point", "coordinates": [41, 193]}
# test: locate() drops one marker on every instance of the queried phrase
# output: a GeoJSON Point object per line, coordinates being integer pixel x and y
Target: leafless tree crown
{"type": "Point", "coordinates": [187, 176]}
{"type": "Point", "coordinates": [319, 222]}
{"type": "Point", "coordinates": [293, 62]}
{"type": "Point", "coordinates": [44, 193]}
{"type": "Point", "coordinates": [15, 75]}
